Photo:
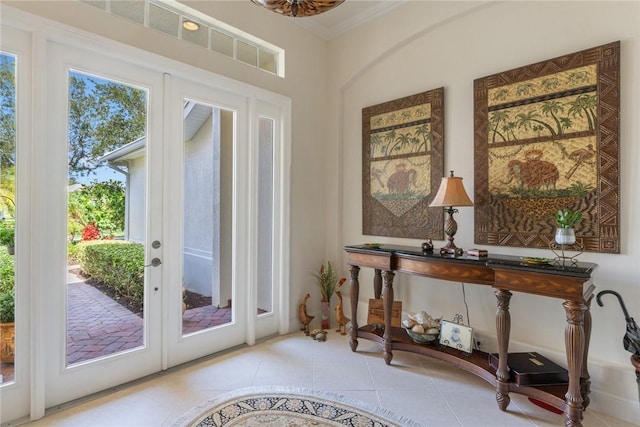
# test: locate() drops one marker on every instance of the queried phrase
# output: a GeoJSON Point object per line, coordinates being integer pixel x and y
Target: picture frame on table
{"type": "Point", "coordinates": [456, 336]}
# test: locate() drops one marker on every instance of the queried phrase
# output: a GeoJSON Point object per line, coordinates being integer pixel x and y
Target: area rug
{"type": "Point", "coordinates": [288, 407]}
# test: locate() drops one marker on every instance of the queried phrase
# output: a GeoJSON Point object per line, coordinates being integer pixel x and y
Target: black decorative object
{"type": "Point", "coordinates": [631, 340]}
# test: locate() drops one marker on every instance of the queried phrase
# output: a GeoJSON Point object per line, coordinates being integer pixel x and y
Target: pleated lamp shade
{"type": "Point", "coordinates": [451, 193]}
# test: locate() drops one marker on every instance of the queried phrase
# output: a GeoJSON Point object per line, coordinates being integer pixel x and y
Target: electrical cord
{"type": "Point", "coordinates": [464, 299]}
{"type": "Point", "coordinates": [476, 343]}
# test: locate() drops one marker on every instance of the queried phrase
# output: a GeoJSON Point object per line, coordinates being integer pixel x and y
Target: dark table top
{"type": "Point", "coordinates": [577, 269]}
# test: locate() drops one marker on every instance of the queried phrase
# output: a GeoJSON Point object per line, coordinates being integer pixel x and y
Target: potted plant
{"type": "Point", "coordinates": [7, 326]}
{"type": "Point", "coordinates": [566, 219]}
{"type": "Point", "coordinates": [7, 238]}
{"type": "Point", "coordinates": [328, 283]}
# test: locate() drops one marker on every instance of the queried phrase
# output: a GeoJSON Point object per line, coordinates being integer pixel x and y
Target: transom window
{"type": "Point", "coordinates": [185, 23]}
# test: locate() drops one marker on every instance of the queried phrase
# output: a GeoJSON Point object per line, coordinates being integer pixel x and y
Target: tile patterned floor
{"type": "Point", "coordinates": [429, 391]}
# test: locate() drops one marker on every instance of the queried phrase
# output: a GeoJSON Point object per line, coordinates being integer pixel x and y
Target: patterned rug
{"type": "Point", "coordinates": [288, 407]}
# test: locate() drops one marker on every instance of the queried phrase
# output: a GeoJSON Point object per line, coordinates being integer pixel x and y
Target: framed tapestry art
{"type": "Point", "coordinates": [546, 138]}
{"type": "Point", "coordinates": [402, 166]}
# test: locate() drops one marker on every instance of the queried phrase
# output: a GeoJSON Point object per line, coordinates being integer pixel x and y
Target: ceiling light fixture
{"type": "Point", "coordinates": [190, 25]}
{"type": "Point", "coordinates": [298, 8]}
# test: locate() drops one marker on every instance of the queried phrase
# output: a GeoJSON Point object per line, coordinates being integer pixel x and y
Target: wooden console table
{"type": "Point", "coordinates": [506, 274]}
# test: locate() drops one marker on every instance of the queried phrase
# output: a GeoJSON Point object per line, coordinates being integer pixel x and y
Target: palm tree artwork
{"type": "Point", "coordinates": [399, 170]}
{"type": "Point", "coordinates": [546, 135]}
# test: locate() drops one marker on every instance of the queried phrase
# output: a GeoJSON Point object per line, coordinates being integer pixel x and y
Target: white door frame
{"type": "Point", "coordinates": [14, 397]}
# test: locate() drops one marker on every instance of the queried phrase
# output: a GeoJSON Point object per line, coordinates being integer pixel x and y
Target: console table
{"type": "Point", "coordinates": [506, 274]}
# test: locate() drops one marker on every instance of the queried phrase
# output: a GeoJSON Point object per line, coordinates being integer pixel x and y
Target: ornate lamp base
{"type": "Point", "coordinates": [450, 229]}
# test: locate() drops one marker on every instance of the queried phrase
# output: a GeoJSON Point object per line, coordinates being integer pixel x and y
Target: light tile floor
{"type": "Point", "coordinates": [429, 391]}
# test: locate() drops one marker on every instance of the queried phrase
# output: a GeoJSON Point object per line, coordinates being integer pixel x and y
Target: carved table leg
{"type": "Point", "coordinates": [387, 301]}
{"type": "Point", "coordinates": [585, 378]}
{"type": "Point", "coordinates": [377, 283]}
{"type": "Point", "coordinates": [354, 288]}
{"type": "Point", "coordinates": [574, 340]}
{"type": "Point", "coordinates": [503, 327]}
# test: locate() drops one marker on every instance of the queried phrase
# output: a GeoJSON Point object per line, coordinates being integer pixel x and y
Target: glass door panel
{"type": "Point", "coordinates": [207, 216]}
{"type": "Point", "coordinates": [7, 217]}
{"type": "Point", "coordinates": [106, 217]}
{"type": "Point", "coordinates": [266, 129]}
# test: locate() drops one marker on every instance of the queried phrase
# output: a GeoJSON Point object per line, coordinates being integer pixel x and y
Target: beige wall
{"type": "Point", "coordinates": [425, 45]}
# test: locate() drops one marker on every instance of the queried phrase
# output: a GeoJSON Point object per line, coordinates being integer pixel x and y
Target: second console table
{"type": "Point", "coordinates": [506, 274]}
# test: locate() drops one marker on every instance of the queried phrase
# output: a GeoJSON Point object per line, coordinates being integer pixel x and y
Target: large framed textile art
{"type": "Point", "coordinates": [546, 137]}
{"type": "Point", "coordinates": [402, 166]}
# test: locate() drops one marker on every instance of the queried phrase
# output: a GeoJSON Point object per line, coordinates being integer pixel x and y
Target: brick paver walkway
{"type": "Point", "coordinates": [98, 326]}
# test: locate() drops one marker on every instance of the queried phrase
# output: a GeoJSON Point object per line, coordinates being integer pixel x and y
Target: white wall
{"type": "Point", "coordinates": [137, 199]}
{"type": "Point", "coordinates": [450, 44]}
{"type": "Point", "coordinates": [201, 224]}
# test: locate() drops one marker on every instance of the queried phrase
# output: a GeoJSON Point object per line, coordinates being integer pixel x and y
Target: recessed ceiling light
{"type": "Point", "coordinates": [190, 25]}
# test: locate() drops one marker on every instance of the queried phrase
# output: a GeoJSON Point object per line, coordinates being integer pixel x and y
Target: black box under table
{"type": "Point", "coordinates": [532, 369]}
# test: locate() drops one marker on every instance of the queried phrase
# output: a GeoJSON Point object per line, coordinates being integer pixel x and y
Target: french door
{"type": "Point", "coordinates": [79, 323]}
{"type": "Point", "coordinates": [204, 187]}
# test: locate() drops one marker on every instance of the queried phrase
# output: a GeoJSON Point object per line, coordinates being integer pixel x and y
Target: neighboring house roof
{"type": "Point", "coordinates": [129, 151]}
{"type": "Point", "coordinates": [74, 187]}
{"type": "Point", "coordinates": [195, 116]}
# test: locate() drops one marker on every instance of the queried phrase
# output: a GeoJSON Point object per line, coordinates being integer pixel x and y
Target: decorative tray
{"type": "Point", "coordinates": [535, 260]}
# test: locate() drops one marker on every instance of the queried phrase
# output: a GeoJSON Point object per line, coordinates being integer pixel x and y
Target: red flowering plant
{"type": "Point", "coordinates": [90, 232]}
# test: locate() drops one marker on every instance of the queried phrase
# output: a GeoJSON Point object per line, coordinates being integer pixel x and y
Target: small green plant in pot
{"type": "Point", "coordinates": [7, 238]}
{"type": "Point", "coordinates": [566, 219]}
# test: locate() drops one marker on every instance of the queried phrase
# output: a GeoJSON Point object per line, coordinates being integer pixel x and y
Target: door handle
{"type": "Point", "coordinates": [154, 263]}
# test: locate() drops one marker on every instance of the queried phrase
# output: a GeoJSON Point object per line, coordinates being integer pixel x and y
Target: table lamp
{"type": "Point", "coordinates": [451, 193]}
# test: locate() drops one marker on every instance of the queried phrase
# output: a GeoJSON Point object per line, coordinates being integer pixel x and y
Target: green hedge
{"type": "Point", "coordinates": [7, 272]}
{"type": "Point", "coordinates": [119, 265]}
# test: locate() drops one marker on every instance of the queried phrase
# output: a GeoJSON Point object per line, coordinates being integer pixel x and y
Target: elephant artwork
{"type": "Point", "coordinates": [401, 180]}
{"type": "Point", "coordinates": [533, 173]}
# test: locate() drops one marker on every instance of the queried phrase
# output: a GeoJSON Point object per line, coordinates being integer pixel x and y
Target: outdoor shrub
{"type": "Point", "coordinates": [73, 252]}
{"type": "Point", "coordinates": [7, 272]}
{"type": "Point", "coordinates": [100, 203]}
{"type": "Point", "coordinates": [119, 265]}
{"type": "Point", "coordinates": [7, 307]}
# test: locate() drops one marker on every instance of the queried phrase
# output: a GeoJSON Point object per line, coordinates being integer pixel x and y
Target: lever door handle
{"type": "Point", "coordinates": [154, 263]}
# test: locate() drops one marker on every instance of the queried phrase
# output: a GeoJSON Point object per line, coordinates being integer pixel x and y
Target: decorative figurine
{"type": "Point", "coordinates": [305, 318]}
{"type": "Point", "coordinates": [340, 317]}
{"type": "Point", "coordinates": [319, 335]}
